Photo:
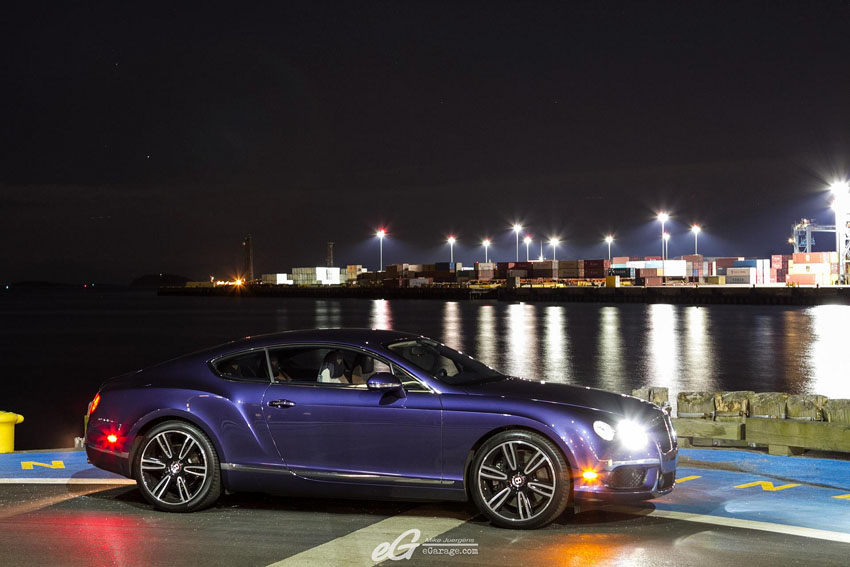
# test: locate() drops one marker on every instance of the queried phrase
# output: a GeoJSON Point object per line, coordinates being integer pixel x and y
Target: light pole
{"type": "Point", "coordinates": [381, 234]}
{"type": "Point", "coordinates": [452, 241]}
{"type": "Point", "coordinates": [527, 241]}
{"type": "Point", "coordinates": [486, 245]}
{"type": "Point", "coordinates": [841, 192]}
{"type": "Point", "coordinates": [608, 240]}
{"type": "Point", "coordinates": [696, 230]}
{"type": "Point", "coordinates": [663, 217]}
{"type": "Point", "coordinates": [517, 228]}
{"type": "Point", "coordinates": [553, 242]}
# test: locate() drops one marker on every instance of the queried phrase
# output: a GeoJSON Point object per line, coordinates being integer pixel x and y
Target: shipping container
{"type": "Point", "coordinates": [816, 258]}
{"type": "Point", "coordinates": [808, 279]}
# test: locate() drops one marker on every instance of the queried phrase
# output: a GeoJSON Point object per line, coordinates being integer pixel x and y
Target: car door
{"type": "Point", "coordinates": [334, 430]}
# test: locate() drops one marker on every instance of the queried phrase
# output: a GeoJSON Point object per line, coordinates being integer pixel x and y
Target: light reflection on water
{"type": "Point", "coordinates": [381, 317]}
{"type": "Point", "coordinates": [617, 347]}
{"type": "Point", "coordinates": [621, 347]}
{"type": "Point", "coordinates": [828, 352]}
{"type": "Point", "coordinates": [556, 346]}
{"type": "Point", "coordinates": [521, 349]}
{"type": "Point", "coordinates": [611, 361]}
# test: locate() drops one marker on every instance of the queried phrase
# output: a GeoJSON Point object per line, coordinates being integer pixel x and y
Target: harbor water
{"type": "Point", "coordinates": [57, 347]}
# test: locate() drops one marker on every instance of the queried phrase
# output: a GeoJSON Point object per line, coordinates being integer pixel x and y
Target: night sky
{"type": "Point", "coordinates": [144, 137]}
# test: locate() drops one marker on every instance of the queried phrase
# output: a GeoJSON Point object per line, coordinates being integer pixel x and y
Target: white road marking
{"type": "Point", "coordinates": [67, 481]}
{"type": "Point", "coordinates": [733, 523]}
{"type": "Point", "coordinates": [356, 548]}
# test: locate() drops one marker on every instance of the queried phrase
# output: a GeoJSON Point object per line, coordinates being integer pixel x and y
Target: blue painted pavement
{"type": "Point", "coordinates": [815, 502]}
{"type": "Point", "coordinates": [55, 465]}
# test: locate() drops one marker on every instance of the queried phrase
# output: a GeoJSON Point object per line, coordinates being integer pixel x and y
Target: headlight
{"type": "Point", "coordinates": [631, 434]}
{"type": "Point", "coordinates": [604, 430]}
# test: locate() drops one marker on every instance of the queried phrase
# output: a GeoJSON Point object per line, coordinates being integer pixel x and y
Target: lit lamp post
{"type": "Point", "coordinates": [608, 240]}
{"type": "Point", "coordinates": [665, 238]}
{"type": "Point", "coordinates": [553, 242]}
{"type": "Point", "coordinates": [696, 230]}
{"type": "Point", "coordinates": [527, 241]}
{"type": "Point", "coordinates": [663, 217]}
{"type": "Point", "coordinates": [486, 245]}
{"type": "Point", "coordinates": [841, 204]}
{"type": "Point", "coordinates": [381, 234]}
{"type": "Point", "coordinates": [452, 241]}
{"type": "Point", "coordinates": [517, 228]}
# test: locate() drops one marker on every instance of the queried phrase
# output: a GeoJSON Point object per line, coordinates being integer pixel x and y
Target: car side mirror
{"type": "Point", "coordinates": [384, 382]}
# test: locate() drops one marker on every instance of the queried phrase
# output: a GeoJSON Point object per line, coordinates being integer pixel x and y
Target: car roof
{"type": "Point", "coordinates": [352, 337]}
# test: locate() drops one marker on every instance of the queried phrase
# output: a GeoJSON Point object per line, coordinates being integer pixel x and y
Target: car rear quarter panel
{"type": "Point", "coordinates": [228, 412]}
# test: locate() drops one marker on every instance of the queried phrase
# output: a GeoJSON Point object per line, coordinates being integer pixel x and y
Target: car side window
{"type": "Point", "coordinates": [298, 365]}
{"type": "Point", "coordinates": [250, 366]}
{"type": "Point", "coordinates": [332, 366]}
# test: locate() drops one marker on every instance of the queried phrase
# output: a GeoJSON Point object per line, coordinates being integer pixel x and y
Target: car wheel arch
{"type": "Point", "coordinates": [152, 420]}
{"type": "Point", "coordinates": [470, 457]}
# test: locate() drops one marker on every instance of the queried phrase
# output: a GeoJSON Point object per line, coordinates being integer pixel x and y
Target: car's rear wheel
{"type": "Point", "coordinates": [520, 480]}
{"type": "Point", "coordinates": [177, 468]}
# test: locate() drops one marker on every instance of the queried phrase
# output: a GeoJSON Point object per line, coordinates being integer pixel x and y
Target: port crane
{"type": "Point", "coordinates": [801, 235]}
{"type": "Point", "coordinates": [802, 239]}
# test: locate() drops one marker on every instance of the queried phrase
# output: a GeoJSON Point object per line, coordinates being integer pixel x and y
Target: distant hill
{"type": "Point", "coordinates": [158, 280]}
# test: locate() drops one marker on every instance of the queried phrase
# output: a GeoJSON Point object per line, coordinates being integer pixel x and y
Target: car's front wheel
{"type": "Point", "coordinates": [177, 468]}
{"type": "Point", "coordinates": [520, 480]}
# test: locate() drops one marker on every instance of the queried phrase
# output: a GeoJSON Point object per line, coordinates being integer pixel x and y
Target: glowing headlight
{"type": "Point", "coordinates": [631, 434]}
{"type": "Point", "coordinates": [604, 430]}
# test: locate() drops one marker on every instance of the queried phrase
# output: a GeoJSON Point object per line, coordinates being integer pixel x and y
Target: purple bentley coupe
{"type": "Point", "coordinates": [357, 413]}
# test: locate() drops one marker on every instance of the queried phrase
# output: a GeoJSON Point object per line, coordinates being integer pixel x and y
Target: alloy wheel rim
{"type": "Point", "coordinates": [174, 467]}
{"type": "Point", "coordinates": [516, 481]}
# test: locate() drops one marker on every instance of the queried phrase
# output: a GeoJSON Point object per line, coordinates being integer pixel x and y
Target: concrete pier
{"type": "Point", "coordinates": [687, 295]}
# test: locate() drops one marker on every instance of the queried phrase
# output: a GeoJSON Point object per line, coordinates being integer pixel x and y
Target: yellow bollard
{"type": "Point", "coordinates": [8, 421]}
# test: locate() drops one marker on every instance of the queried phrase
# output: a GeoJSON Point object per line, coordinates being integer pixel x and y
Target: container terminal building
{"type": "Point", "coordinates": [799, 269]}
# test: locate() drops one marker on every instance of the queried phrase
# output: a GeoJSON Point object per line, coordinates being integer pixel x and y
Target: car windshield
{"type": "Point", "coordinates": [445, 364]}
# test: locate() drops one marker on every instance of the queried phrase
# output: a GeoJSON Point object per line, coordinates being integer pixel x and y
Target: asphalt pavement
{"type": "Point", "coordinates": [730, 507]}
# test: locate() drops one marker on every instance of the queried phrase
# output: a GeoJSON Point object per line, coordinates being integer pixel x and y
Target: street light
{"type": "Point", "coordinates": [841, 206]}
{"type": "Point", "coordinates": [553, 242]}
{"type": "Point", "coordinates": [381, 234]}
{"type": "Point", "coordinates": [608, 240]}
{"type": "Point", "coordinates": [452, 241]}
{"type": "Point", "coordinates": [696, 230]}
{"type": "Point", "coordinates": [527, 241]}
{"type": "Point", "coordinates": [486, 244]}
{"type": "Point", "coordinates": [517, 229]}
{"type": "Point", "coordinates": [663, 217]}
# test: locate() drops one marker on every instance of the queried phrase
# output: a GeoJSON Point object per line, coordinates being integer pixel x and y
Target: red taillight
{"type": "Point", "coordinates": [94, 402]}
{"type": "Point", "coordinates": [112, 438]}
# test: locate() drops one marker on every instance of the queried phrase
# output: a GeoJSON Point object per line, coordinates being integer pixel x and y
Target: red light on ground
{"type": "Point", "coordinates": [112, 438]}
{"type": "Point", "coordinates": [94, 403]}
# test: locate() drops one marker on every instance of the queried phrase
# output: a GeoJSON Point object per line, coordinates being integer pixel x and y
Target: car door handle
{"type": "Point", "coordinates": [281, 404]}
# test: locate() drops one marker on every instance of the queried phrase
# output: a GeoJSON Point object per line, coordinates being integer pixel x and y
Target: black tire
{"type": "Point", "coordinates": [176, 468]}
{"type": "Point", "coordinates": [539, 468]}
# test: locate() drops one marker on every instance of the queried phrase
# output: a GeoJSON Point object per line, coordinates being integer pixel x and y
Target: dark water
{"type": "Point", "coordinates": [56, 348]}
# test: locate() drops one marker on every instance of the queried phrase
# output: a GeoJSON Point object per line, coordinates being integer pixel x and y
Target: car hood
{"type": "Point", "coordinates": [591, 398]}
